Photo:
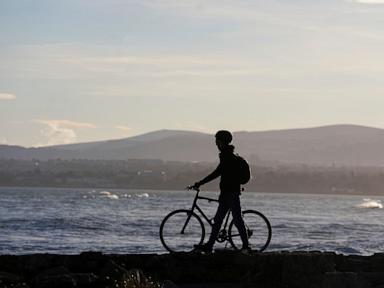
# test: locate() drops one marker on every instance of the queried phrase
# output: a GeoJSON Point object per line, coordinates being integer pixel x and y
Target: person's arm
{"type": "Point", "coordinates": [216, 173]}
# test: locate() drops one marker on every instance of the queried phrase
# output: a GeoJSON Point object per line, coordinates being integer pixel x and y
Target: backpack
{"type": "Point", "coordinates": [243, 170]}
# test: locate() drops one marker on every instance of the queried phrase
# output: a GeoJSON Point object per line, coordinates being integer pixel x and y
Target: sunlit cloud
{"type": "Point", "coordinates": [66, 123]}
{"type": "Point", "coordinates": [124, 131]}
{"type": "Point", "coordinates": [107, 92]}
{"type": "Point", "coordinates": [123, 128]}
{"type": "Point", "coordinates": [59, 132]}
{"type": "Point", "coordinates": [63, 62]}
{"type": "Point", "coordinates": [370, 1]}
{"type": "Point", "coordinates": [56, 135]}
{"type": "Point", "coordinates": [165, 65]}
{"type": "Point", "coordinates": [193, 126]}
{"type": "Point", "coordinates": [7, 96]}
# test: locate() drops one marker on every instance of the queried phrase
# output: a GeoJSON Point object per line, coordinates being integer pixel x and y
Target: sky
{"type": "Point", "coordinates": [89, 70]}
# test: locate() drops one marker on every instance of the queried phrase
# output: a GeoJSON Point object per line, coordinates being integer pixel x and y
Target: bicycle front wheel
{"type": "Point", "coordinates": [258, 229]}
{"type": "Point", "coordinates": [181, 230]}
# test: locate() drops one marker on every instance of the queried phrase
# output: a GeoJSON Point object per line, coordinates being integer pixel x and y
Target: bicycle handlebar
{"type": "Point", "coordinates": [191, 187]}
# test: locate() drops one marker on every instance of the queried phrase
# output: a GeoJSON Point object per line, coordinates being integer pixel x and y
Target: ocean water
{"type": "Point", "coordinates": [68, 221]}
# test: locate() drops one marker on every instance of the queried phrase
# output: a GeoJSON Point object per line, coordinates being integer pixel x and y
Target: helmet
{"type": "Point", "coordinates": [224, 136]}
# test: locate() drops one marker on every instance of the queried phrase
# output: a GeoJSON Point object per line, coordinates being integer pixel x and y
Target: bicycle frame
{"type": "Point", "coordinates": [257, 226]}
{"type": "Point", "coordinates": [197, 207]}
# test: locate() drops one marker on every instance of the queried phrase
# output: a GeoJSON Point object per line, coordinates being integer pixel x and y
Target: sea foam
{"type": "Point", "coordinates": [371, 204]}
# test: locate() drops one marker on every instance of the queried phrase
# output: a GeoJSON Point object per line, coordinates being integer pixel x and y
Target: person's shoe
{"type": "Point", "coordinates": [245, 250]}
{"type": "Point", "coordinates": [206, 248]}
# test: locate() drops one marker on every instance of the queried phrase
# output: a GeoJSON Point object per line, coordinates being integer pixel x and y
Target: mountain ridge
{"type": "Point", "coordinates": [342, 144]}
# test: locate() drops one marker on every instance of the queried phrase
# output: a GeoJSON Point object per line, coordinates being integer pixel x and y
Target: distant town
{"type": "Point", "coordinates": [160, 174]}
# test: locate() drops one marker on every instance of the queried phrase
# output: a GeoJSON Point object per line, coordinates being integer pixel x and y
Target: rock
{"type": "Point", "coordinates": [32, 265]}
{"type": "Point", "coordinates": [85, 279]}
{"type": "Point", "coordinates": [355, 263]}
{"type": "Point", "coordinates": [56, 281]}
{"type": "Point", "coordinates": [87, 262]}
{"type": "Point", "coordinates": [375, 278]}
{"type": "Point", "coordinates": [114, 275]}
{"type": "Point", "coordinates": [377, 262]}
{"type": "Point", "coordinates": [112, 272]}
{"type": "Point", "coordinates": [5, 276]}
{"type": "Point", "coordinates": [305, 268]}
{"type": "Point", "coordinates": [220, 269]}
{"type": "Point", "coordinates": [344, 280]}
{"type": "Point", "coordinates": [58, 277]}
{"type": "Point", "coordinates": [9, 279]}
{"type": "Point", "coordinates": [168, 284]}
{"type": "Point", "coordinates": [11, 264]}
{"type": "Point", "coordinates": [21, 285]}
{"type": "Point", "coordinates": [136, 278]}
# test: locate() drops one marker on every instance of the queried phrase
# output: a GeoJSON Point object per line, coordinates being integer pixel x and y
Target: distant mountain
{"type": "Point", "coordinates": [350, 145]}
{"type": "Point", "coordinates": [328, 145]}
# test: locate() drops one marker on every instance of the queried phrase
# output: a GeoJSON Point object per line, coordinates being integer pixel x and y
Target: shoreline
{"type": "Point", "coordinates": [220, 269]}
{"type": "Point", "coordinates": [182, 189]}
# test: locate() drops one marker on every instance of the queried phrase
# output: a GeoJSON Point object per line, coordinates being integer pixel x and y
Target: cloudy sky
{"type": "Point", "coordinates": [86, 70]}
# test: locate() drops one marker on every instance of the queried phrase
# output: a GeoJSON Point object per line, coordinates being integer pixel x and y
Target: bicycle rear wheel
{"type": "Point", "coordinates": [181, 230]}
{"type": "Point", "coordinates": [258, 229]}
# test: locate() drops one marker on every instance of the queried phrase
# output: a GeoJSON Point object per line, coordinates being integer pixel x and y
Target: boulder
{"type": "Point", "coordinates": [344, 280]}
{"type": "Point", "coordinates": [58, 277]}
{"type": "Point", "coordinates": [9, 279]}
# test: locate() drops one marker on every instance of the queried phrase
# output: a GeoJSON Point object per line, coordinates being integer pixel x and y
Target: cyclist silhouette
{"type": "Point", "coordinates": [230, 189]}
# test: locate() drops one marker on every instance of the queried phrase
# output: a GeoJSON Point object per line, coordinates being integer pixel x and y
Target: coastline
{"type": "Point", "coordinates": [220, 269]}
{"type": "Point", "coordinates": [86, 188]}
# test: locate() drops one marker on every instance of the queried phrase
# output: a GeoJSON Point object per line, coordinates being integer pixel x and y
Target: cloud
{"type": "Point", "coordinates": [7, 96]}
{"type": "Point", "coordinates": [65, 123]}
{"type": "Point", "coordinates": [59, 132]}
{"type": "Point", "coordinates": [58, 135]}
{"type": "Point", "coordinates": [168, 66]}
{"type": "Point", "coordinates": [193, 126]}
{"type": "Point", "coordinates": [123, 128]}
{"type": "Point", "coordinates": [370, 1]}
{"type": "Point", "coordinates": [78, 62]}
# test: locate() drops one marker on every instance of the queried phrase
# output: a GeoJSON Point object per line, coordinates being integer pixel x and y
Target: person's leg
{"type": "Point", "coordinates": [238, 219]}
{"type": "Point", "coordinates": [218, 220]}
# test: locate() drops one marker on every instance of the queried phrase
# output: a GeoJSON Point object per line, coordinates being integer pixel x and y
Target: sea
{"type": "Point", "coordinates": [71, 221]}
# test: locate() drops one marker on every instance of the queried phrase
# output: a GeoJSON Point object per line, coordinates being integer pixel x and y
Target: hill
{"type": "Point", "coordinates": [348, 145]}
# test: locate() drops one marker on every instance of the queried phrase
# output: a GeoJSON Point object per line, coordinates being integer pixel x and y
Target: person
{"type": "Point", "coordinates": [229, 198]}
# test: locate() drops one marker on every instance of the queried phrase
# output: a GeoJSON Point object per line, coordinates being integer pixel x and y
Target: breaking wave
{"type": "Point", "coordinates": [109, 195]}
{"type": "Point", "coordinates": [371, 204]}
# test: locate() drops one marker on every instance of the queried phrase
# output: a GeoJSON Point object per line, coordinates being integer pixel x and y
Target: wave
{"type": "Point", "coordinates": [142, 195]}
{"type": "Point", "coordinates": [109, 195]}
{"type": "Point", "coordinates": [347, 250]}
{"type": "Point", "coordinates": [370, 204]}
{"type": "Point", "coordinates": [106, 193]}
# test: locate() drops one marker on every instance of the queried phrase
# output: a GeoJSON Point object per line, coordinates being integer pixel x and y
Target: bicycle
{"type": "Point", "coordinates": [181, 229]}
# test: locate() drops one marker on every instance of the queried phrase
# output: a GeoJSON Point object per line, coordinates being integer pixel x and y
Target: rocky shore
{"type": "Point", "coordinates": [223, 269]}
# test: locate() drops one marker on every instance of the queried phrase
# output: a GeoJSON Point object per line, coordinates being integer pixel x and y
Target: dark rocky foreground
{"type": "Point", "coordinates": [221, 269]}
